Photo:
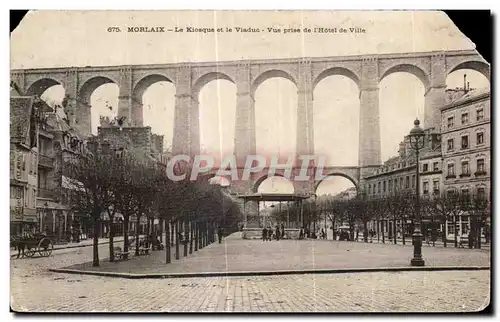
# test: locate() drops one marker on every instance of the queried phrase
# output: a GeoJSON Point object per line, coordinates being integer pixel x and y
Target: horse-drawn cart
{"type": "Point", "coordinates": [31, 245]}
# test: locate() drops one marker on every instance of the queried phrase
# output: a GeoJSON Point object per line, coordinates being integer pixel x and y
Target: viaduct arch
{"type": "Point", "coordinates": [366, 71]}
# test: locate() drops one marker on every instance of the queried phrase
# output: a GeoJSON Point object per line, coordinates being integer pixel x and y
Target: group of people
{"type": "Point", "coordinates": [278, 233]}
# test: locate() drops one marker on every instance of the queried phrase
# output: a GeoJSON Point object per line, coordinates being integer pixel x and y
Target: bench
{"type": "Point", "coordinates": [119, 254]}
{"type": "Point", "coordinates": [462, 241]}
{"type": "Point", "coordinates": [144, 250]}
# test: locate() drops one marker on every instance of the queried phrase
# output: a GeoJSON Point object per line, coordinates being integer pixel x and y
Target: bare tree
{"type": "Point", "coordinates": [91, 178]}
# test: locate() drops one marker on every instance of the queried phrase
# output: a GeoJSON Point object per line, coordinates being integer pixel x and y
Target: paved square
{"type": "Point", "coordinates": [238, 255]}
{"type": "Point", "coordinates": [35, 289]}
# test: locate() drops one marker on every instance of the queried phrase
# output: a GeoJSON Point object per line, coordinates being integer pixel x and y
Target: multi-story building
{"type": "Point", "coordinates": [60, 143]}
{"type": "Point", "coordinates": [466, 143]}
{"type": "Point", "coordinates": [25, 116]}
{"type": "Point", "coordinates": [398, 174]}
{"type": "Point", "coordinates": [466, 146]}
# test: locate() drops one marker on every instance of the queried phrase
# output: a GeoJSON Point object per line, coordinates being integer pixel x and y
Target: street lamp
{"type": "Point", "coordinates": [417, 143]}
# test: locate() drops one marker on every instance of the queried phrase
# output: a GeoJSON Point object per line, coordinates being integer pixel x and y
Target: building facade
{"type": "Point", "coordinates": [23, 164]}
{"type": "Point", "coordinates": [466, 149]}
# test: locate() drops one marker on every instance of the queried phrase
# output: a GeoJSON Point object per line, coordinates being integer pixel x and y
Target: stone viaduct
{"type": "Point", "coordinates": [366, 71]}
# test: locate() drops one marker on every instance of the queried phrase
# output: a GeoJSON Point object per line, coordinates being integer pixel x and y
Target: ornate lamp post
{"type": "Point", "coordinates": [417, 143]}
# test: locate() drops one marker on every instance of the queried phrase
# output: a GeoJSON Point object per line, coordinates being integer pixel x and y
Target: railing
{"type": "Point", "coordinates": [45, 193]}
{"type": "Point", "coordinates": [45, 161]}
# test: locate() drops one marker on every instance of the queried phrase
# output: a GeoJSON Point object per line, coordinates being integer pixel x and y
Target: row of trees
{"type": "Point", "coordinates": [135, 187]}
{"type": "Point", "coordinates": [399, 208]}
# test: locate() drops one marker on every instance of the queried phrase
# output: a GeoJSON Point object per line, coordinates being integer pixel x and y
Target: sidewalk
{"type": "Point", "coordinates": [83, 243]}
{"type": "Point", "coordinates": [408, 241]}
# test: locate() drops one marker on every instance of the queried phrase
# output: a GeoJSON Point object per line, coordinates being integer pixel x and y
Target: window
{"type": "Point", "coordinates": [450, 122]}
{"type": "Point", "coordinates": [465, 168]}
{"type": "Point", "coordinates": [480, 166]}
{"type": "Point", "coordinates": [413, 181]}
{"type": "Point", "coordinates": [26, 197]}
{"type": "Point", "coordinates": [425, 167]}
{"type": "Point", "coordinates": [450, 144]}
{"type": "Point", "coordinates": [479, 138]}
{"type": "Point", "coordinates": [407, 182]}
{"type": "Point", "coordinates": [465, 192]}
{"type": "Point", "coordinates": [384, 185]}
{"type": "Point", "coordinates": [369, 189]}
{"type": "Point", "coordinates": [481, 193]}
{"type": "Point", "coordinates": [451, 170]}
{"type": "Point", "coordinates": [480, 114]}
{"type": "Point", "coordinates": [435, 186]}
{"type": "Point", "coordinates": [465, 142]}
{"type": "Point", "coordinates": [426, 187]}
{"type": "Point", "coordinates": [390, 185]}
{"type": "Point", "coordinates": [435, 166]}
{"type": "Point", "coordinates": [465, 118]}
{"type": "Point", "coordinates": [33, 198]}
{"type": "Point", "coordinates": [378, 187]}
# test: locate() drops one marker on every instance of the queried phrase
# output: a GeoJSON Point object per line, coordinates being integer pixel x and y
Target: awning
{"type": "Point", "coordinates": [40, 205]}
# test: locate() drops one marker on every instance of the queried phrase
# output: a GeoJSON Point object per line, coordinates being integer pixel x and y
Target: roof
{"type": "Point", "coordinates": [57, 122]}
{"type": "Point", "coordinates": [469, 96]}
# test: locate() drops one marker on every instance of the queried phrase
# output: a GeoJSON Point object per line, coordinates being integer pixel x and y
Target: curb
{"type": "Point", "coordinates": [269, 273]}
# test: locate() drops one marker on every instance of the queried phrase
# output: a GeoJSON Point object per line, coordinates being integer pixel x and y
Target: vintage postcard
{"type": "Point", "coordinates": [248, 161]}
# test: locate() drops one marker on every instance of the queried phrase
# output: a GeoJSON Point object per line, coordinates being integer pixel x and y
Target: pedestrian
{"type": "Point", "coordinates": [220, 234]}
{"type": "Point", "coordinates": [269, 234]}
{"type": "Point", "coordinates": [264, 234]}
{"type": "Point", "coordinates": [282, 231]}
{"type": "Point", "coordinates": [301, 233]}
{"type": "Point", "coordinates": [278, 233]}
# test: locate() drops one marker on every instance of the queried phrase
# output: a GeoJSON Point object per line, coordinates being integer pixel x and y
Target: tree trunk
{"type": "Point", "coordinates": [95, 260]}
{"type": "Point", "coordinates": [206, 233]}
{"type": "Point", "coordinates": [478, 234]}
{"type": "Point", "coordinates": [395, 230]}
{"type": "Point", "coordinates": [195, 236]}
{"type": "Point", "coordinates": [382, 231]}
{"type": "Point", "coordinates": [455, 231]}
{"type": "Point", "coordinates": [443, 233]}
{"type": "Point", "coordinates": [172, 233]}
{"type": "Point", "coordinates": [176, 225]}
{"type": "Point", "coordinates": [111, 240]}
{"type": "Point", "coordinates": [162, 221]}
{"type": "Point", "coordinates": [200, 235]}
{"type": "Point", "coordinates": [148, 227]}
{"type": "Point", "coordinates": [125, 233]}
{"type": "Point", "coordinates": [137, 233]}
{"type": "Point", "coordinates": [167, 243]}
{"type": "Point", "coordinates": [378, 230]}
{"type": "Point", "coordinates": [184, 241]}
{"type": "Point", "coordinates": [365, 231]}
{"type": "Point", "coordinates": [403, 230]}
{"type": "Point", "coordinates": [190, 236]}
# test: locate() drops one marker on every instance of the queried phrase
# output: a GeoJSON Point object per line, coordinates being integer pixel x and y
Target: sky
{"type": "Point", "coordinates": [40, 41]}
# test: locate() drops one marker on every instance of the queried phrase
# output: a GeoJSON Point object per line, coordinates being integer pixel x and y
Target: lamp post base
{"type": "Point", "coordinates": [417, 262]}
{"type": "Point", "coordinates": [417, 259]}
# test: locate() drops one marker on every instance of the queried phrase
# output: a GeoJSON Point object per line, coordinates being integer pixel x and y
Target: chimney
{"type": "Point", "coordinates": [465, 82]}
{"type": "Point", "coordinates": [468, 86]}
